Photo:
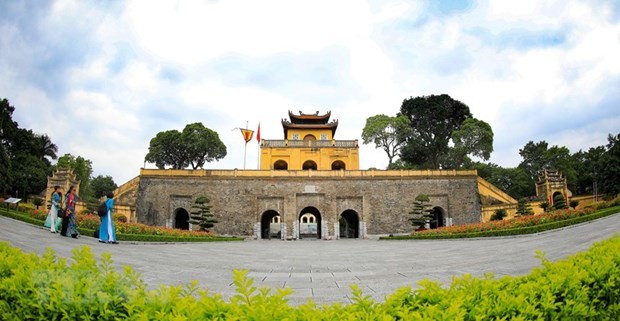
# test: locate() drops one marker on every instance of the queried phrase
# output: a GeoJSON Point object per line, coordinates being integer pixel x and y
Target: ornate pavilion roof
{"type": "Point", "coordinates": [309, 118]}
{"type": "Point", "coordinates": [288, 125]}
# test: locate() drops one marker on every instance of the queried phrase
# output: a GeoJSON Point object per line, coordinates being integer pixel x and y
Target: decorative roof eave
{"type": "Point", "coordinates": [288, 125]}
{"type": "Point", "coordinates": [309, 118]}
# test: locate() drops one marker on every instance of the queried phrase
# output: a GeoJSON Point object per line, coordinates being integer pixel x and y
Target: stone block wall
{"type": "Point", "coordinates": [382, 203]}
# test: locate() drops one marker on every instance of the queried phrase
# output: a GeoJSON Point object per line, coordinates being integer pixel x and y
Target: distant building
{"type": "Point", "coordinates": [309, 185]}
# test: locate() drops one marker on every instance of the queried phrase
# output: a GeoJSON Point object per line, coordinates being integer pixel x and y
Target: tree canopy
{"type": "Point", "coordinates": [195, 146]}
{"type": "Point", "coordinates": [388, 133]}
{"type": "Point", "coordinates": [433, 119]}
{"type": "Point", "coordinates": [101, 185]}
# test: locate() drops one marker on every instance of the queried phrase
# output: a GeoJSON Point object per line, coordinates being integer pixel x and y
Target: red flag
{"type": "Point", "coordinates": [258, 134]}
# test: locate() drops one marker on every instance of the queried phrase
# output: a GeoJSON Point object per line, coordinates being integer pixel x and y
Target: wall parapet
{"type": "Point", "coordinates": [307, 173]}
{"type": "Point", "coordinates": [285, 143]}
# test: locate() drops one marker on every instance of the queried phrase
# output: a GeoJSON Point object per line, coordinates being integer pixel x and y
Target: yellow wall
{"type": "Point", "coordinates": [323, 157]}
{"type": "Point", "coordinates": [315, 132]}
{"type": "Point", "coordinates": [296, 152]}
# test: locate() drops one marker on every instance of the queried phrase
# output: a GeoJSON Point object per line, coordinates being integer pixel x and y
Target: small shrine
{"type": "Point", "coordinates": [549, 183]}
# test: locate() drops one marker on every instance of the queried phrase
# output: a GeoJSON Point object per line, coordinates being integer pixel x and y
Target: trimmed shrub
{"type": "Point", "coordinates": [582, 287]}
{"type": "Point", "coordinates": [499, 215]}
{"type": "Point", "coordinates": [119, 218]}
{"type": "Point", "coordinates": [573, 203]}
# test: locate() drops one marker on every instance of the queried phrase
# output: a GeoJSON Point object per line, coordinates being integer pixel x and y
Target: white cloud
{"type": "Point", "coordinates": [533, 70]}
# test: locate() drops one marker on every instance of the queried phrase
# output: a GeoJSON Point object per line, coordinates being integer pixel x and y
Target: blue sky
{"type": "Point", "coordinates": [103, 78]}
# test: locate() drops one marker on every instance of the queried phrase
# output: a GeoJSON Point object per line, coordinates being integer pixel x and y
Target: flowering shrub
{"type": "Point", "coordinates": [92, 221]}
{"type": "Point", "coordinates": [523, 221]}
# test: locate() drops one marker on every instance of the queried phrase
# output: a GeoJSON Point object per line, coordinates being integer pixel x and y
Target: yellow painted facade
{"type": "Point", "coordinates": [309, 144]}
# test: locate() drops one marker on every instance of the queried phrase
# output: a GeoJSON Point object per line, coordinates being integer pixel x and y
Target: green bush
{"type": "Point", "coordinates": [499, 215]}
{"type": "Point", "coordinates": [586, 286]}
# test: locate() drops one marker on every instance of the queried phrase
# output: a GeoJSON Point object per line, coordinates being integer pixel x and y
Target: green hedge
{"type": "Point", "coordinates": [509, 232]}
{"type": "Point", "coordinates": [125, 237]}
{"type": "Point", "coordinates": [585, 286]}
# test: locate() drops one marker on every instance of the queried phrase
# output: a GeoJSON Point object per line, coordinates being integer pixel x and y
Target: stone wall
{"type": "Point", "coordinates": [382, 201]}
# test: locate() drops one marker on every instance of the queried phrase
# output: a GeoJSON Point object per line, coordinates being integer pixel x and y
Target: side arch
{"type": "Point", "coordinates": [439, 215]}
{"type": "Point", "coordinates": [349, 224]}
{"type": "Point", "coordinates": [270, 225]}
{"type": "Point", "coordinates": [338, 165]}
{"type": "Point", "coordinates": [181, 219]}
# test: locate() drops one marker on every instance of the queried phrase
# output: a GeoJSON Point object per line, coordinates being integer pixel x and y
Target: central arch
{"type": "Point", "coordinates": [270, 225]}
{"type": "Point", "coordinates": [280, 165]}
{"type": "Point", "coordinates": [349, 224]}
{"type": "Point", "coordinates": [309, 164]}
{"type": "Point", "coordinates": [310, 223]}
{"type": "Point", "coordinates": [181, 219]}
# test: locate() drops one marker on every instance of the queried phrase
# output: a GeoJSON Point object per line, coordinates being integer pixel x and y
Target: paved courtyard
{"type": "Point", "coordinates": [323, 270]}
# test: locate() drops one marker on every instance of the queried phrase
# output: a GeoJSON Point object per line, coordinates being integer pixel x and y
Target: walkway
{"type": "Point", "coordinates": [323, 270]}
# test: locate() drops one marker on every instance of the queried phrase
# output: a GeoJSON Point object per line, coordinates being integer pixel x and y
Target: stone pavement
{"type": "Point", "coordinates": [324, 270]}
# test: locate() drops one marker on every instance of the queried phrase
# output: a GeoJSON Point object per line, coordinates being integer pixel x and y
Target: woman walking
{"type": "Point", "coordinates": [71, 225]}
{"type": "Point", "coordinates": [53, 220]}
{"type": "Point", "coordinates": [107, 234]}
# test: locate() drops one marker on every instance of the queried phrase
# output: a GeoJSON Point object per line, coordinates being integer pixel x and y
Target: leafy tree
{"type": "Point", "coordinates": [538, 156]}
{"type": "Point", "coordinates": [474, 137]}
{"type": "Point", "coordinates": [559, 202]}
{"type": "Point", "coordinates": [523, 207]}
{"type": "Point", "coordinates": [200, 214]}
{"type": "Point", "coordinates": [45, 147]}
{"type": "Point", "coordinates": [610, 167]}
{"type": "Point", "coordinates": [499, 215]}
{"type": "Point", "coordinates": [514, 181]}
{"type": "Point", "coordinates": [102, 184]}
{"type": "Point", "coordinates": [433, 119]}
{"type": "Point", "coordinates": [195, 146]}
{"type": "Point", "coordinates": [387, 133]}
{"type": "Point", "coordinates": [421, 212]}
{"type": "Point", "coordinates": [545, 206]}
{"type": "Point", "coordinates": [202, 144]}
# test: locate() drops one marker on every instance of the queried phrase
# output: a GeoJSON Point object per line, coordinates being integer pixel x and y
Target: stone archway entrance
{"type": "Point", "coordinates": [349, 224]}
{"type": "Point", "coordinates": [438, 217]}
{"type": "Point", "coordinates": [310, 223]}
{"type": "Point", "coordinates": [181, 219]}
{"type": "Point", "coordinates": [270, 225]}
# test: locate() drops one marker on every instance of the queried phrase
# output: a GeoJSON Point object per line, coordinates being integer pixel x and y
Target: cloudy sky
{"type": "Point", "coordinates": [101, 78]}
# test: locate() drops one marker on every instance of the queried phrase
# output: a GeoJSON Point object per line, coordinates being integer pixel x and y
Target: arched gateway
{"type": "Point", "coordinates": [310, 223]}
{"type": "Point", "coordinates": [349, 224]}
{"type": "Point", "coordinates": [181, 219]}
{"type": "Point", "coordinates": [270, 225]}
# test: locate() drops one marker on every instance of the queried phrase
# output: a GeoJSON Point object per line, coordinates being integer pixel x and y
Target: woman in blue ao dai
{"type": "Point", "coordinates": [107, 234]}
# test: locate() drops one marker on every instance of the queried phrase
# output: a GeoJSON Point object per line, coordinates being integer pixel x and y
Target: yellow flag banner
{"type": "Point", "coordinates": [247, 134]}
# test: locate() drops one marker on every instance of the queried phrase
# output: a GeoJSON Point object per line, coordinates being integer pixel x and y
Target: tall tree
{"type": "Point", "coordinates": [45, 147]}
{"type": "Point", "coordinates": [610, 167]}
{"type": "Point", "coordinates": [533, 155]}
{"type": "Point", "coordinates": [194, 146]}
{"type": "Point", "coordinates": [433, 119]}
{"type": "Point", "coordinates": [102, 184]}
{"type": "Point", "coordinates": [202, 144]}
{"type": "Point", "coordinates": [387, 133]}
{"type": "Point", "coordinates": [473, 138]}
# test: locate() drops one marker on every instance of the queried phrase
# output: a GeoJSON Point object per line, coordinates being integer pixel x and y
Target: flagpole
{"type": "Point", "coordinates": [246, 146]}
{"type": "Point", "coordinates": [258, 150]}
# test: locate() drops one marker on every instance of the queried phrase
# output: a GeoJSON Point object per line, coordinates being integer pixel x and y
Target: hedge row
{"type": "Point", "coordinates": [125, 237]}
{"type": "Point", "coordinates": [586, 286]}
{"type": "Point", "coordinates": [509, 232]}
